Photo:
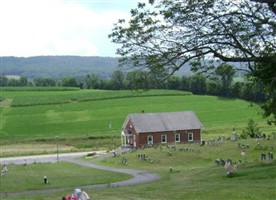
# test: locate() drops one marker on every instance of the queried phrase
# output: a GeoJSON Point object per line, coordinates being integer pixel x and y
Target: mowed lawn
{"type": "Point", "coordinates": [60, 175]}
{"type": "Point", "coordinates": [193, 175]}
{"type": "Point", "coordinates": [81, 119]}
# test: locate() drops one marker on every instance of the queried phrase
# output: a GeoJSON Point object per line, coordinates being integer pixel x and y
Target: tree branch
{"type": "Point", "coordinates": [271, 4]}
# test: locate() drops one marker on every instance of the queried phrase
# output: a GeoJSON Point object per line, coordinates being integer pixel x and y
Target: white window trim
{"type": "Point", "coordinates": [179, 139]}
{"type": "Point", "coordinates": [192, 134]}
{"type": "Point", "coordinates": [165, 139]}
{"type": "Point", "coordinates": [150, 142]}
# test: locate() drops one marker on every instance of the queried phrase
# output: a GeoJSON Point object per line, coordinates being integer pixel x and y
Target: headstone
{"type": "Point", "coordinates": [77, 192]}
{"type": "Point", "coordinates": [83, 196]}
{"type": "Point", "coordinates": [235, 168]}
{"type": "Point", "coordinates": [217, 162]}
{"type": "Point", "coordinates": [229, 160]}
{"type": "Point", "coordinates": [263, 156]}
{"type": "Point", "coordinates": [124, 161]}
{"type": "Point", "coordinates": [222, 162]}
{"type": "Point", "coordinates": [45, 180]}
{"type": "Point", "coordinates": [234, 136]}
{"type": "Point", "coordinates": [5, 170]}
{"type": "Point", "coordinates": [142, 156]}
{"type": "Point", "coordinates": [229, 174]}
{"type": "Point", "coordinates": [270, 156]}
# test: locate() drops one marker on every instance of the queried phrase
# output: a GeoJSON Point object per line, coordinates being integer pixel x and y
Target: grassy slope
{"type": "Point", "coordinates": [83, 119]}
{"type": "Point", "coordinates": [197, 178]}
{"type": "Point", "coordinates": [77, 123]}
{"type": "Point", "coordinates": [60, 175]}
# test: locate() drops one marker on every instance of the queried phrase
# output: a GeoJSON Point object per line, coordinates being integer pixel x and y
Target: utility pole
{"type": "Point", "coordinates": [110, 129]}
{"type": "Point", "coordinates": [57, 140]}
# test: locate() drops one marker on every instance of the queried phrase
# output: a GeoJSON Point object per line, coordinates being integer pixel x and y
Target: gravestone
{"type": "Point", "coordinates": [217, 162]}
{"type": "Point", "coordinates": [270, 156]}
{"type": "Point", "coordinates": [222, 162]}
{"type": "Point", "coordinates": [263, 156]}
{"type": "Point", "coordinates": [234, 136]}
{"type": "Point", "coordinates": [45, 180]}
{"type": "Point", "coordinates": [124, 160]}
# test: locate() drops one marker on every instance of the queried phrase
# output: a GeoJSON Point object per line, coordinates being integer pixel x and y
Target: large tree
{"type": "Point", "coordinates": [226, 74]}
{"type": "Point", "coordinates": [162, 37]}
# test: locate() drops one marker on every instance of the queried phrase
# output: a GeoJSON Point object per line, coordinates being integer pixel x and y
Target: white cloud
{"type": "Point", "coordinates": [56, 27]}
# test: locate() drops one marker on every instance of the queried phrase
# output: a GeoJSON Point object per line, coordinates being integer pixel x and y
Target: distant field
{"type": "Point", "coordinates": [30, 96]}
{"type": "Point", "coordinates": [43, 115]}
{"type": "Point", "coordinates": [13, 77]}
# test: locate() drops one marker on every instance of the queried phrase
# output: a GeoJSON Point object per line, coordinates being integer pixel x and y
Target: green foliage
{"type": "Point", "coordinates": [118, 80]}
{"type": "Point", "coordinates": [3, 80]}
{"type": "Point", "coordinates": [69, 82]}
{"type": "Point", "coordinates": [46, 82]}
{"type": "Point", "coordinates": [198, 84]}
{"type": "Point", "coordinates": [251, 130]}
{"type": "Point", "coordinates": [92, 81]}
{"type": "Point", "coordinates": [265, 73]}
{"type": "Point", "coordinates": [162, 37]}
{"type": "Point", "coordinates": [172, 33]}
{"type": "Point", "coordinates": [226, 73]}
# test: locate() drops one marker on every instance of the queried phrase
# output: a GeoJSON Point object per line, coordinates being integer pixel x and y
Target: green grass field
{"type": "Point", "coordinates": [60, 175]}
{"type": "Point", "coordinates": [37, 117]}
{"type": "Point", "coordinates": [31, 120]}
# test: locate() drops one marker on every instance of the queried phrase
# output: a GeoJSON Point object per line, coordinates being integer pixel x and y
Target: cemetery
{"type": "Point", "coordinates": [220, 160]}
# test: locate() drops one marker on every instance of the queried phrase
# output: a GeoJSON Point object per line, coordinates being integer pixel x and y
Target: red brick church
{"type": "Point", "coordinates": [148, 129]}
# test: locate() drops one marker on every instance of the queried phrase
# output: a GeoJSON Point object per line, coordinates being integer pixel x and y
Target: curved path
{"type": "Point", "coordinates": [139, 177]}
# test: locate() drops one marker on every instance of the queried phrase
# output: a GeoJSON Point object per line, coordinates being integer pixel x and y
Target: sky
{"type": "Point", "coordinates": [60, 27]}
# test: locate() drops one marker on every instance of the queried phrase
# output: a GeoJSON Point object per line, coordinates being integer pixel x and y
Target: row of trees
{"type": "Point", "coordinates": [5, 81]}
{"type": "Point", "coordinates": [219, 83]}
{"type": "Point", "coordinates": [41, 82]}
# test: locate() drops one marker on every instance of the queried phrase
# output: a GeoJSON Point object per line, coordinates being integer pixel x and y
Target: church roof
{"type": "Point", "coordinates": [165, 121]}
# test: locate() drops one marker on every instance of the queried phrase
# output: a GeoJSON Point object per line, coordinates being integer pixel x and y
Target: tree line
{"type": "Point", "coordinates": [220, 82]}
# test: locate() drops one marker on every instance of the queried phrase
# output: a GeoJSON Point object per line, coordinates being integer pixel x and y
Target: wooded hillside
{"type": "Point", "coordinates": [57, 67]}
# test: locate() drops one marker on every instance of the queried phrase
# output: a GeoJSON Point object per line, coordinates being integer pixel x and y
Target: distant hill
{"type": "Point", "coordinates": [57, 67]}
